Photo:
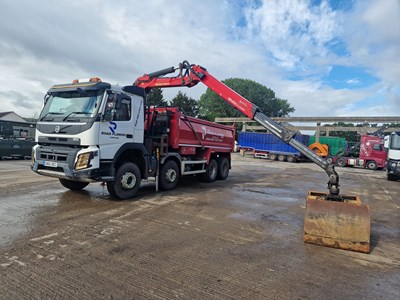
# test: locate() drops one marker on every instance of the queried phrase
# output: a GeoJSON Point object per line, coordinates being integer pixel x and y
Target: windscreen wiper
{"type": "Point", "coordinates": [48, 114]}
{"type": "Point", "coordinates": [72, 113]}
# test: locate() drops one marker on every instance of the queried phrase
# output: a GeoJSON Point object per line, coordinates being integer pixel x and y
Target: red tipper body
{"type": "Point", "coordinates": [192, 136]}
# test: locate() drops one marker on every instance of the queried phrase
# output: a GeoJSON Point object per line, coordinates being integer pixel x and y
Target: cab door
{"type": "Point", "coordinates": [119, 122]}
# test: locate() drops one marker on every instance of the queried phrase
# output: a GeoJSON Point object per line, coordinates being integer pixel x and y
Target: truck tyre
{"type": "Point", "coordinates": [211, 172]}
{"type": "Point", "coordinates": [127, 181]}
{"type": "Point", "coordinates": [372, 165]}
{"type": "Point", "coordinates": [272, 156]}
{"type": "Point", "coordinates": [223, 168]}
{"type": "Point", "coordinates": [291, 159]}
{"type": "Point", "coordinates": [391, 177]}
{"type": "Point", "coordinates": [282, 157]}
{"type": "Point", "coordinates": [169, 175]}
{"type": "Point", "coordinates": [73, 185]}
{"type": "Point", "coordinates": [329, 159]}
{"type": "Point", "coordinates": [341, 162]}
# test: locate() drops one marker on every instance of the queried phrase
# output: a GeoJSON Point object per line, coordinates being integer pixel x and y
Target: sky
{"type": "Point", "coordinates": [326, 57]}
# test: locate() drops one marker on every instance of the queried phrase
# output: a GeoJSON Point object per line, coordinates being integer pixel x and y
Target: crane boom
{"type": "Point", "coordinates": [190, 75]}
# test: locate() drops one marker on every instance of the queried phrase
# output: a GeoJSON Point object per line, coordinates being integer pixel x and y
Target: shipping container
{"type": "Point", "coordinates": [335, 144]}
{"type": "Point", "coordinates": [267, 145]}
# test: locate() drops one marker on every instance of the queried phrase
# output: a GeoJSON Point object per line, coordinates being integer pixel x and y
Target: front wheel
{"type": "Point", "coordinates": [372, 165]}
{"type": "Point", "coordinates": [391, 177]}
{"type": "Point", "coordinates": [127, 181]}
{"type": "Point", "coordinates": [211, 172]}
{"type": "Point", "coordinates": [73, 185]}
{"type": "Point", "coordinates": [169, 175]}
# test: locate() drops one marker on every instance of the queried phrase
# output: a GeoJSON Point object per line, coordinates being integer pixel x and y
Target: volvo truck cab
{"type": "Point", "coordinates": [393, 158]}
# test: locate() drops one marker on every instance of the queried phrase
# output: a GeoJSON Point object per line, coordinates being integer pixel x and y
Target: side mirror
{"type": "Point", "coordinates": [108, 115]}
{"type": "Point", "coordinates": [109, 110]}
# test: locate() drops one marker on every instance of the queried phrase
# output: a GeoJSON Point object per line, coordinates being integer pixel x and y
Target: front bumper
{"type": "Point", "coordinates": [393, 167]}
{"type": "Point", "coordinates": [59, 162]}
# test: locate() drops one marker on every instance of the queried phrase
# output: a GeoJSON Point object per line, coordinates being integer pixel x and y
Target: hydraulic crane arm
{"type": "Point", "coordinates": [190, 75]}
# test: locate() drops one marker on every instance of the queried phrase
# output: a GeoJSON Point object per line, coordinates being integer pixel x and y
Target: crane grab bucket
{"type": "Point", "coordinates": [339, 224]}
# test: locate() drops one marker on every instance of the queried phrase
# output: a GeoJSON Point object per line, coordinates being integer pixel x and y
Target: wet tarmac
{"type": "Point", "coordinates": [235, 239]}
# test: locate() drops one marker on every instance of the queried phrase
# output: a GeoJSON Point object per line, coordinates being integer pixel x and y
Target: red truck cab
{"type": "Point", "coordinates": [372, 154]}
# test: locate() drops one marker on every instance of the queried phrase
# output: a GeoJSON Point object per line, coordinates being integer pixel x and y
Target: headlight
{"type": "Point", "coordinates": [83, 161]}
{"type": "Point", "coordinates": [393, 164]}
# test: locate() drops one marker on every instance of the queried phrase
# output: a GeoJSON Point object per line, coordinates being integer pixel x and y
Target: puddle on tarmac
{"type": "Point", "coordinates": [271, 208]}
{"type": "Point", "coordinates": [18, 212]}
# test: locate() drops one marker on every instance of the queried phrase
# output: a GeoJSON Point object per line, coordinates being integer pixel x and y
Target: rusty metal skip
{"type": "Point", "coordinates": [339, 224]}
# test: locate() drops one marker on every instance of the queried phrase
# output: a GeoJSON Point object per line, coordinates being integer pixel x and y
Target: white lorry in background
{"type": "Point", "coordinates": [392, 143]}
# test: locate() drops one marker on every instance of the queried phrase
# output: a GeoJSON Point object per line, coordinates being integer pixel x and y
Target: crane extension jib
{"type": "Point", "coordinates": [190, 75]}
{"type": "Point", "coordinates": [288, 137]}
{"type": "Point", "coordinates": [343, 222]}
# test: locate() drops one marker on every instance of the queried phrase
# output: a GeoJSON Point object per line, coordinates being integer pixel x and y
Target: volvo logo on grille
{"type": "Point", "coordinates": [57, 129]}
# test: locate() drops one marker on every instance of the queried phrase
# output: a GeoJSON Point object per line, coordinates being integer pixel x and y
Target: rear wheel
{"type": "Point", "coordinates": [372, 165]}
{"type": "Point", "coordinates": [127, 181]}
{"type": "Point", "coordinates": [291, 158]}
{"type": "Point", "coordinates": [329, 159]}
{"type": "Point", "coordinates": [281, 157]}
{"type": "Point", "coordinates": [169, 175]}
{"type": "Point", "coordinates": [73, 185]}
{"type": "Point", "coordinates": [272, 156]}
{"type": "Point", "coordinates": [341, 162]}
{"type": "Point", "coordinates": [211, 172]}
{"type": "Point", "coordinates": [223, 168]}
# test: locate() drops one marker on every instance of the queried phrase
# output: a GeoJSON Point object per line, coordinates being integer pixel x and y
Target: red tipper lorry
{"type": "Point", "coordinates": [92, 131]}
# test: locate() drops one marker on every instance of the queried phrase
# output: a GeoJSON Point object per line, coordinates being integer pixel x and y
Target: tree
{"type": "Point", "coordinates": [212, 106]}
{"type": "Point", "coordinates": [354, 137]}
{"type": "Point", "coordinates": [350, 136]}
{"type": "Point", "coordinates": [156, 98]}
{"type": "Point", "coordinates": [188, 105]}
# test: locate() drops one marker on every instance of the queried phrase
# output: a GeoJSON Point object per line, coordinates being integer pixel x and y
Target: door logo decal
{"type": "Point", "coordinates": [113, 127]}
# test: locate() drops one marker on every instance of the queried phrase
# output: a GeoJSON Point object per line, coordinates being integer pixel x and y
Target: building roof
{"type": "Point", "coordinates": [11, 116]}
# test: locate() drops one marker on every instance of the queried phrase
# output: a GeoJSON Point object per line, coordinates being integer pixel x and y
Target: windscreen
{"type": "Point", "coordinates": [65, 105]}
{"type": "Point", "coordinates": [395, 141]}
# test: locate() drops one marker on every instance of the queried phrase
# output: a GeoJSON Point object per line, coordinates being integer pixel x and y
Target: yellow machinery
{"type": "Point", "coordinates": [319, 149]}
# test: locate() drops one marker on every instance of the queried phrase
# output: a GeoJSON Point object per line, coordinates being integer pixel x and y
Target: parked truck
{"type": "Point", "coordinates": [393, 156]}
{"type": "Point", "coordinates": [92, 131]}
{"type": "Point", "coordinates": [267, 145]}
{"type": "Point", "coordinates": [12, 148]}
{"type": "Point", "coordinates": [16, 140]}
{"type": "Point", "coordinates": [372, 154]}
{"type": "Point", "coordinates": [92, 143]}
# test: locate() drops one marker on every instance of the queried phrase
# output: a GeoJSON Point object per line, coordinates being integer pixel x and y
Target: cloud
{"type": "Point", "coordinates": [293, 31]}
{"type": "Point", "coordinates": [287, 45]}
{"type": "Point", "coordinates": [353, 81]}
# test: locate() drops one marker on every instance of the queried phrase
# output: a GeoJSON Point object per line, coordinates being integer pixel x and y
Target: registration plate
{"type": "Point", "coordinates": [52, 164]}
